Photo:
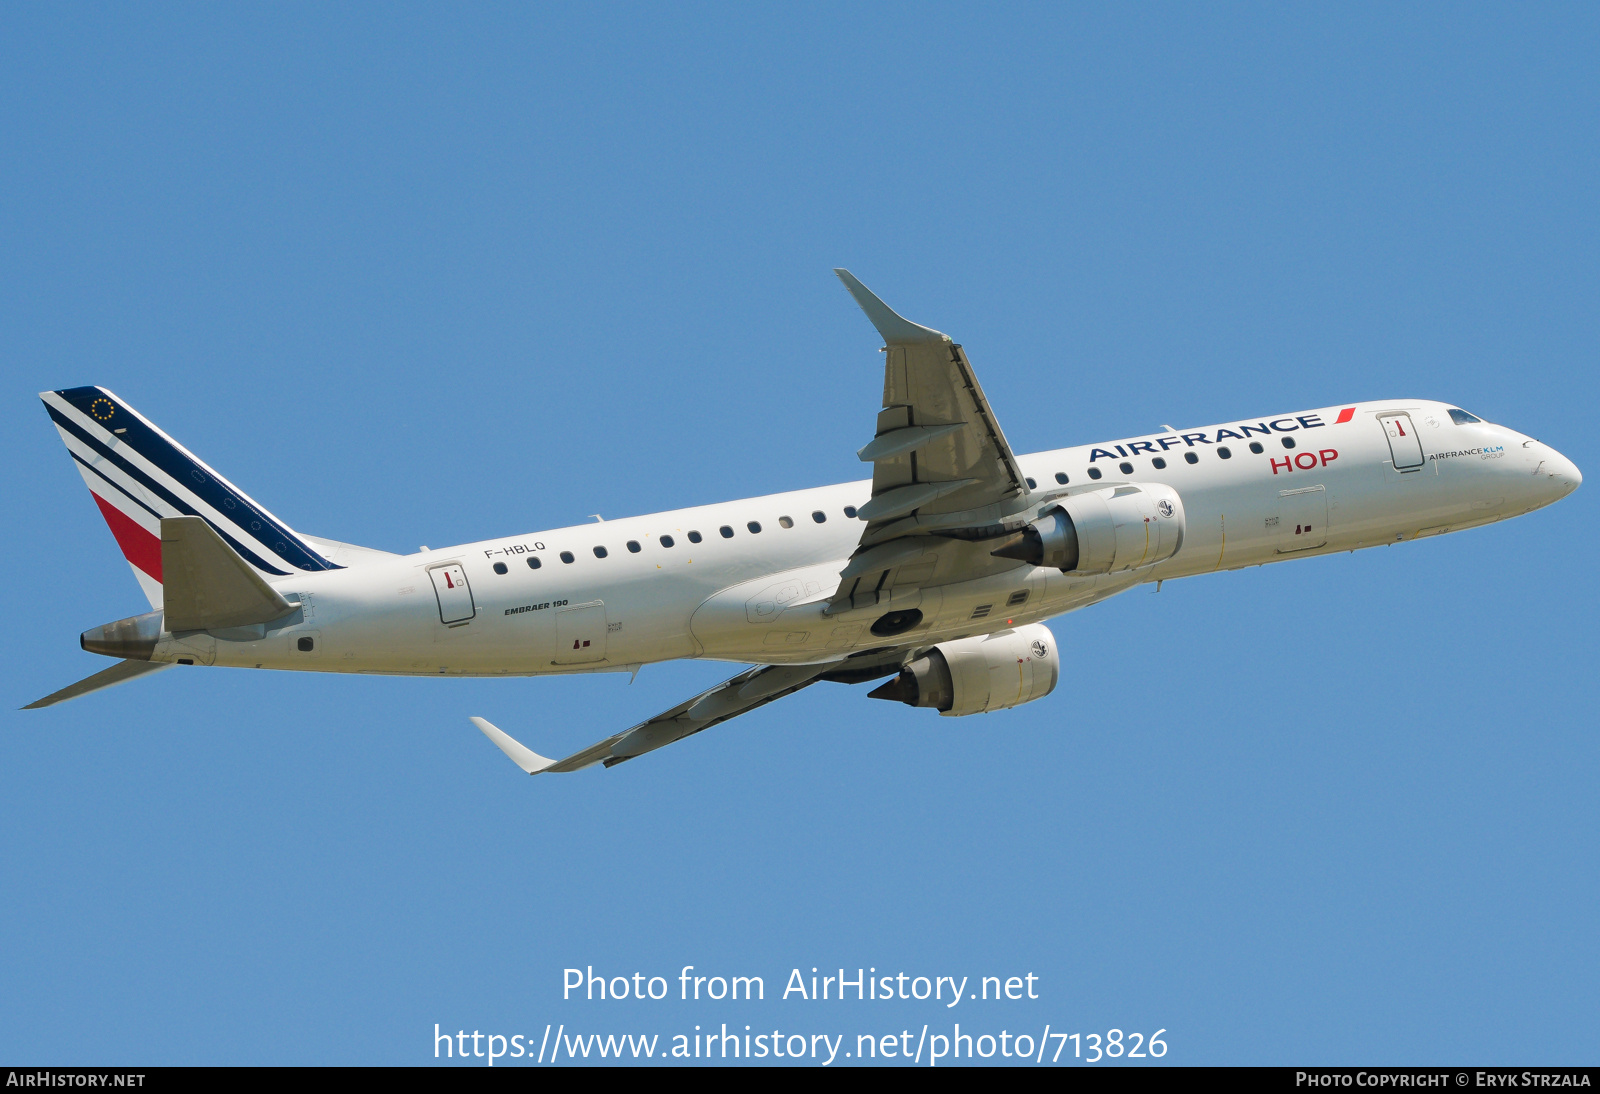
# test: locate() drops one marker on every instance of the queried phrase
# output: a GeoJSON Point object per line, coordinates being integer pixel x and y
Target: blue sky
{"type": "Point", "coordinates": [412, 275]}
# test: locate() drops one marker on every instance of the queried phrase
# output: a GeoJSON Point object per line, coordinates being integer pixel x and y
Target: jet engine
{"type": "Point", "coordinates": [979, 674]}
{"type": "Point", "coordinates": [1103, 531]}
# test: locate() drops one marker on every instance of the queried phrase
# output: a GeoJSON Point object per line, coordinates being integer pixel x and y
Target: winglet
{"type": "Point", "coordinates": [895, 329]}
{"type": "Point", "coordinates": [525, 758]}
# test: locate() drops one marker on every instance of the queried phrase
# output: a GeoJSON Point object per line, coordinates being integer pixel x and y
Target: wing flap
{"type": "Point", "coordinates": [897, 501]}
{"type": "Point", "coordinates": [897, 442]}
{"type": "Point", "coordinates": [935, 385]}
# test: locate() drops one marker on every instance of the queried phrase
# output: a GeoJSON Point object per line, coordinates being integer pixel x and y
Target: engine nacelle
{"type": "Point", "coordinates": [1104, 531]}
{"type": "Point", "coordinates": [979, 674]}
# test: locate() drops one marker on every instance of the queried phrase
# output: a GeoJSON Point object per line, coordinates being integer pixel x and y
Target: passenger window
{"type": "Point", "coordinates": [306, 645]}
{"type": "Point", "coordinates": [1031, 484]}
{"type": "Point", "coordinates": [499, 567]}
{"type": "Point", "coordinates": [850, 511]}
{"type": "Point", "coordinates": [1158, 463]}
{"type": "Point", "coordinates": [819, 516]}
{"type": "Point", "coordinates": [566, 556]}
{"type": "Point", "coordinates": [1125, 468]}
{"type": "Point", "coordinates": [727, 533]}
{"type": "Point", "coordinates": [667, 541]}
{"type": "Point", "coordinates": [533, 562]}
{"type": "Point", "coordinates": [785, 522]}
{"type": "Point", "coordinates": [633, 546]}
{"type": "Point", "coordinates": [1255, 446]}
{"type": "Point", "coordinates": [1094, 472]}
{"type": "Point", "coordinates": [1061, 477]}
{"type": "Point", "coordinates": [1225, 453]}
{"type": "Point", "coordinates": [1190, 457]}
{"type": "Point", "coordinates": [1461, 417]}
{"type": "Point", "coordinates": [599, 552]}
{"type": "Point", "coordinates": [1288, 442]}
{"type": "Point", "coordinates": [694, 537]}
{"type": "Point", "coordinates": [754, 526]}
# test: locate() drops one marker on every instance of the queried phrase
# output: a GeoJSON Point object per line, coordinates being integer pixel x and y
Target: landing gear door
{"type": "Point", "coordinates": [455, 595]}
{"type": "Point", "coordinates": [581, 634]}
{"type": "Point", "coordinates": [1403, 443]}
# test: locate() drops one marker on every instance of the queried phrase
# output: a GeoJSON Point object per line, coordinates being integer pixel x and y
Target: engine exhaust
{"type": "Point", "coordinates": [923, 683]}
{"type": "Point", "coordinates": [1052, 540]}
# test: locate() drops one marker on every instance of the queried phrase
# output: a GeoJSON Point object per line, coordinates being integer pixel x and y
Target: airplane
{"type": "Point", "coordinates": [934, 575]}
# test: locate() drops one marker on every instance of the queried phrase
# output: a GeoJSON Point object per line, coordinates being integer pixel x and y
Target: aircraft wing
{"type": "Point", "coordinates": [750, 689]}
{"type": "Point", "coordinates": [940, 463]}
{"type": "Point", "coordinates": [938, 448]}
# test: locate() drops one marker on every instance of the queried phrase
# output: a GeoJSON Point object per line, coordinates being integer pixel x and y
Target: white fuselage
{"type": "Point", "coordinates": [762, 596]}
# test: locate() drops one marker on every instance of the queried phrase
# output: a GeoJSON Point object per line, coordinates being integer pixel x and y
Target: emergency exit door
{"type": "Point", "coordinates": [455, 595]}
{"type": "Point", "coordinates": [1404, 445]}
{"type": "Point", "coordinates": [581, 634]}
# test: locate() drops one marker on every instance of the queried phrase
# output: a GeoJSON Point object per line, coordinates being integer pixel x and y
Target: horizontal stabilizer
{"type": "Point", "coordinates": [524, 757]}
{"type": "Point", "coordinates": [208, 586]}
{"type": "Point", "coordinates": [105, 678]}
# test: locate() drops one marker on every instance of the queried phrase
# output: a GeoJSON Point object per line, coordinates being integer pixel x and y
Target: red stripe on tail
{"type": "Point", "coordinates": [138, 546]}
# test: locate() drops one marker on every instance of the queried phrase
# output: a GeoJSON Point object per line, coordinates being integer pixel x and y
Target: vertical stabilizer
{"type": "Point", "coordinates": [139, 475]}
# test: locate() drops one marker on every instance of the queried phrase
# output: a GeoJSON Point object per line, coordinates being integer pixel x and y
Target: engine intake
{"type": "Point", "coordinates": [1103, 531]}
{"type": "Point", "coordinates": [979, 674]}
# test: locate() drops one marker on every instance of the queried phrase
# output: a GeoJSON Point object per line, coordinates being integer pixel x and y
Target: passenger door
{"type": "Point", "coordinates": [1302, 519]}
{"type": "Point", "coordinates": [581, 633]}
{"type": "Point", "coordinates": [455, 595]}
{"type": "Point", "coordinates": [1404, 445]}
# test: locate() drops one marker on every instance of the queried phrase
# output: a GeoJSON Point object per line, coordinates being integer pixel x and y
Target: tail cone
{"type": "Point", "coordinates": [133, 639]}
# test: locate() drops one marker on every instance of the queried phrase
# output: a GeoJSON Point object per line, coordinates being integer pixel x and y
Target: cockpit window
{"type": "Point", "coordinates": [1461, 417]}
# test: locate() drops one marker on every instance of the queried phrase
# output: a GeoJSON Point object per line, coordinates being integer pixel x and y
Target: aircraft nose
{"type": "Point", "coordinates": [1567, 472]}
{"type": "Point", "coordinates": [1556, 475]}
